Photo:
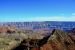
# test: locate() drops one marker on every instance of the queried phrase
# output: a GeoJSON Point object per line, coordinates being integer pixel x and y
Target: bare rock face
{"type": "Point", "coordinates": [7, 29]}
{"type": "Point", "coordinates": [57, 40]}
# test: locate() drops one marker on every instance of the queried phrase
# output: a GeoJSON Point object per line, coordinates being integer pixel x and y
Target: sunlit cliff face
{"type": "Point", "coordinates": [3, 29]}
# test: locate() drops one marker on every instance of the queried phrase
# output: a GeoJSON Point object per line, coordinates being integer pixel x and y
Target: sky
{"type": "Point", "coordinates": [37, 10]}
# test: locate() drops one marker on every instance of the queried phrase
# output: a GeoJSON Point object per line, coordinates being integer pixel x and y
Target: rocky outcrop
{"type": "Point", "coordinates": [7, 29]}
{"type": "Point", "coordinates": [57, 40]}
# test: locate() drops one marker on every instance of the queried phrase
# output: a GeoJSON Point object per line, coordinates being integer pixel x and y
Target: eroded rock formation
{"type": "Point", "coordinates": [57, 40]}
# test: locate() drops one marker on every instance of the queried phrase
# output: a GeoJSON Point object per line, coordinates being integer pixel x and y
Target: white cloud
{"type": "Point", "coordinates": [55, 18]}
{"type": "Point", "coordinates": [45, 18]}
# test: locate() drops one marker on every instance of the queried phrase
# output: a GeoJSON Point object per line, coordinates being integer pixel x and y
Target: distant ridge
{"type": "Point", "coordinates": [44, 25]}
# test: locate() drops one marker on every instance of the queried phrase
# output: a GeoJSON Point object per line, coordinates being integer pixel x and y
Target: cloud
{"type": "Point", "coordinates": [54, 18]}
{"type": "Point", "coordinates": [42, 18]}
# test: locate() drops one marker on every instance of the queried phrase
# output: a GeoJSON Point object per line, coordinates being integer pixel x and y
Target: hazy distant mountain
{"type": "Point", "coordinates": [42, 25]}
